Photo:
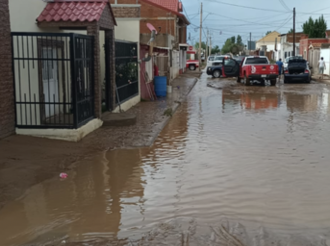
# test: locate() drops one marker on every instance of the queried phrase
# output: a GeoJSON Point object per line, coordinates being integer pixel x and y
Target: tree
{"type": "Point", "coordinates": [268, 32]}
{"type": "Point", "coordinates": [315, 28]}
{"type": "Point", "coordinates": [239, 40]}
{"type": "Point", "coordinates": [203, 45]}
{"type": "Point", "coordinates": [233, 45]}
{"type": "Point", "coordinates": [215, 50]}
{"type": "Point", "coordinates": [290, 31]}
{"type": "Point", "coordinates": [226, 48]}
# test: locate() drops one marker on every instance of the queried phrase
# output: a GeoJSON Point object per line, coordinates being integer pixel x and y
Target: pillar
{"type": "Point", "coordinates": [111, 91]}
{"type": "Point", "coordinates": [7, 106]}
{"type": "Point", "coordinates": [94, 30]}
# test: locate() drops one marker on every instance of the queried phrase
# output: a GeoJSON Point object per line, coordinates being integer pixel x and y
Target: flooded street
{"type": "Point", "coordinates": [236, 165]}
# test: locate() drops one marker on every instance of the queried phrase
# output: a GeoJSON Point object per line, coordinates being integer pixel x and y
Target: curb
{"type": "Point", "coordinates": [174, 108]}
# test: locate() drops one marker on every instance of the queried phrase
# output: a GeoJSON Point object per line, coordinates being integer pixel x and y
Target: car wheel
{"type": "Point", "coordinates": [216, 74]}
{"type": "Point", "coordinates": [238, 80]}
{"type": "Point", "coordinates": [247, 80]}
{"type": "Point", "coordinates": [273, 82]}
{"type": "Point", "coordinates": [192, 67]}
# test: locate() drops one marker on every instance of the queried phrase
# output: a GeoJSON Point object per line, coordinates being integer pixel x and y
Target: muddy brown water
{"type": "Point", "coordinates": [235, 166]}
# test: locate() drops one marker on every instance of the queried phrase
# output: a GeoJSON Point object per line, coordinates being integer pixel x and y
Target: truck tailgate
{"type": "Point", "coordinates": [264, 69]}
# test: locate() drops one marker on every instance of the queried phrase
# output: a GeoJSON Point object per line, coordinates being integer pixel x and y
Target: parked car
{"type": "Point", "coordinates": [297, 70]}
{"type": "Point", "coordinates": [286, 60]}
{"type": "Point", "coordinates": [218, 60]}
{"type": "Point", "coordinates": [251, 68]}
{"type": "Point", "coordinates": [192, 64]}
{"type": "Point", "coordinates": [210, 59]}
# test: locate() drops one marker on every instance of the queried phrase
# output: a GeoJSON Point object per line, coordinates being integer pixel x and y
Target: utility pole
{"type": "Point", "coordinates": [210, 48]}
{"type": "Point", "coordinates": [250, 48]}
{"type": "Point", "coordinates": [200, 39]}
{"type": "Point", "coordinates": [207, 45]}
{"type": "Point", "coordinates": [294, 32]}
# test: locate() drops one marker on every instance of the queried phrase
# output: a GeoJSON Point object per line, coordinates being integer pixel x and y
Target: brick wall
{"type": "Point", "coordinates": [305, 43]}
{"type": "Point", "coordinates": [126, 12]}
{"type": "Point", "coordinates": [7, 111]}
{"type": "Point", "coordinates": [124, 1]}
{"type": "Point", "coordinates": [152, 12]}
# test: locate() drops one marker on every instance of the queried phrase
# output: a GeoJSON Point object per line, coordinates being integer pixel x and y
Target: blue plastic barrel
{"type": "Point", "coordinates": [160, 86]}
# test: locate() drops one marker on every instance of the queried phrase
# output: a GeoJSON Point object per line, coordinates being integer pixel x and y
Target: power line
{"type": "Point", "coordinates": [247, 7]}
{"type": "Point", "coordinates": [284, 5]}
{"type": "Point", "coordinates": [251, 22]}
{"type": "Point", "coordinates": [269, 10]}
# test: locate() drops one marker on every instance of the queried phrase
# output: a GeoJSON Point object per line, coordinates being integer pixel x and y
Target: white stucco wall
{"type": "Point", "coordinates": [270, 47]}
{"type": "Point", "coordinates": [23, 15]}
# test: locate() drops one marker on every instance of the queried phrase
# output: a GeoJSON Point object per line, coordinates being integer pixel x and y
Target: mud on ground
{"type": "Point", "coordinates": [25, 161]}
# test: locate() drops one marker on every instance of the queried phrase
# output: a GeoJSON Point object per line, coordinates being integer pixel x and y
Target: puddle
{"type": "Point", "coordinates": [235, 166]}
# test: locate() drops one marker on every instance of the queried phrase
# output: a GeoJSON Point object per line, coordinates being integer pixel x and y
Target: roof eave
{"type": "Point", "coordinates": [113, 16]}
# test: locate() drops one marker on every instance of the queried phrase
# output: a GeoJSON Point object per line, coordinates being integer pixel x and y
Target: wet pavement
{"type": "Point", "coordinates": [26, 161]}
{"type": "Point", "coordinates": [235, 166]}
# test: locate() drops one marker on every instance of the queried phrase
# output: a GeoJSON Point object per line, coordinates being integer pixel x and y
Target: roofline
{"type": "Point", "coordinates": [113, 16]}
{"type": "Point", "coordinates": [183, 17]}
{"type": "Point", "coordinates": [281, 35]}
{"type": "Point", "coordinates": [266, 36]}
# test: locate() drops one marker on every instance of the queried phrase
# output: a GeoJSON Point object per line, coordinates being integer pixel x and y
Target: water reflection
{"type": "Point", "coordinates": [251, 101]}
{"type": "Point", "coordinates": [257, 157]}
{"type": "Point", "coordinates": [296, 102]}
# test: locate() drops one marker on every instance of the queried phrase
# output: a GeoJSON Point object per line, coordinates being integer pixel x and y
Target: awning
{"type": "Point", "coordinates": [79, 11]}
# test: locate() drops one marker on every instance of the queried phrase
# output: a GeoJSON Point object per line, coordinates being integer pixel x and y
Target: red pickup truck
{"type": "Point", "coordinates": [250, 68]}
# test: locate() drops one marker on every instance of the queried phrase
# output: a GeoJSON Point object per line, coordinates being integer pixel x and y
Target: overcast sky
{"type": "Point", "coordinates": [224, 20]}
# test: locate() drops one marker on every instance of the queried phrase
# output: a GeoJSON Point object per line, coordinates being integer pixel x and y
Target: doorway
{"type": "Point", "coordinates": [50, 81]}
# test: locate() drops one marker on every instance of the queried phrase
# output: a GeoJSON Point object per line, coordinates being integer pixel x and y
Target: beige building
{"type": "Point", "coordinates": [270, 42]}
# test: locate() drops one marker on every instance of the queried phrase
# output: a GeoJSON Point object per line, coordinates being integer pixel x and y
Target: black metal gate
{"type": "Point", "coordinates": [127, 70]}
{"type": "Point", "coordinates": [53, 79]}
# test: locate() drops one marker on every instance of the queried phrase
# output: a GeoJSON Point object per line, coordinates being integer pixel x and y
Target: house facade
{"type": "Point", "coordinates": [7, 109]}
{"type": "Point", "coordinates": [271, 42]}
{"type": "Point", "coordinates": [313, 48]}
{"type": "Point", "coordinates": [58, 50]}
{"type": "Point", "coordinates": [127, 36]}
{"type": "Point", "coordinates": [169, 50]}
{"type": "Point", "coordinates": [171, 25]}
{"type": "Point", "coordinates": [287, 45]}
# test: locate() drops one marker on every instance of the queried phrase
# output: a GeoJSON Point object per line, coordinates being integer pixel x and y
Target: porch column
{"type": "Point", "coordinates": [110, 37]}
{"type": "Point", "coordinates": [94, 30]}
{"type": "Point", "coordinates": [7, 106]}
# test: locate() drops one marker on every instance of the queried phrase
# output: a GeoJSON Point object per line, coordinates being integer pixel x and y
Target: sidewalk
{"type": "Point", "coordinates": [326, 79]}
{"type": "Point", "coordinates": [25, 161]}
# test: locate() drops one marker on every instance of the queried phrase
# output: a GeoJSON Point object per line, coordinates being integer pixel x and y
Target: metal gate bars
{"type": "Point", "coordinates": [126, 67]}
{"type": "Point", "coordinates": [53, 79]}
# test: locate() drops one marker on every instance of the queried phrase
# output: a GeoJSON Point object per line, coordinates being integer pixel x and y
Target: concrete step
{"type": "Point", "coordinates": [118, 119]}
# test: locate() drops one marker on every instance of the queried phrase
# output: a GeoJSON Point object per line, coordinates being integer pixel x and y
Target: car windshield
{"type": "Point", "coordinates": [256, 60]}
{"type": "Point", "coordinates": [239, 58]}
{"type": "Point", "coordinates": [219, 58]}
{"type": "Point", "coordinates": [211, 58]}
{"type": "Point", "coordinates": [297, 60]}
{"type": "Point", "coordinates": [293, 58]}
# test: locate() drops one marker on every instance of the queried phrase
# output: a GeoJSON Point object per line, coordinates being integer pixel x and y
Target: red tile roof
{"type": "Point", "coordinates": [172, 5]}
{"type": "Point", "coordinates": [73, 11]}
